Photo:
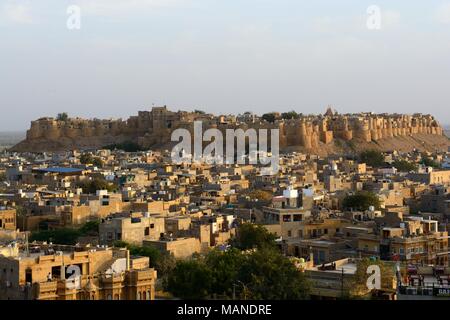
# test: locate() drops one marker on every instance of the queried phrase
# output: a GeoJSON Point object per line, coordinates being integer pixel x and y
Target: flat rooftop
{"type": "Point", "coordinates": [58, 170]}
{"type": "Point", "coordinates": [347, 267]}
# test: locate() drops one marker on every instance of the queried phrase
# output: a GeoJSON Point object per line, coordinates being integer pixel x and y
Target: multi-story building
{"type": "Point", "coordinates": [131, 227]}
{"type": "Point", "coordinates": [53, 272]}
{"type": "Point", "coordinates": [7, 219]}
{"type": "Point", "coordinates": [411, 242]}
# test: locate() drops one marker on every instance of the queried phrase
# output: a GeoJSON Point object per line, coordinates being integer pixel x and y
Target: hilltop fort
{"type": "Point", "coordinates": [320, 134]}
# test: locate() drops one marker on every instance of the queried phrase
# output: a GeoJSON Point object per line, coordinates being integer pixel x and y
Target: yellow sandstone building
{"type": "Point", "coordinates": [55, 272]}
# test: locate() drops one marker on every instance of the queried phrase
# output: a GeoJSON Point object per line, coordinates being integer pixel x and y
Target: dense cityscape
{"type": "Point", "coordinates": [123, 222]}
{"type": "Point", "coordinates": [196, 159]}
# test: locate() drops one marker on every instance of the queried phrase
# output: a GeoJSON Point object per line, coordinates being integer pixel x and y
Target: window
{"type": "Point", "coordinates": [321, 256]}
{"type": "Point", "coordinates": [56, 272]}
{"type": "Point", "coordinates": [325, 231]}
{"type": "Point", "coordinates": [152, 225]}
{"type": "Point", "coordinates": [401, 251]}
{"type": "Point", "coordinates": [29, 276]}
{"type": "Point", "coordinates": [147, 231]}
{"type": "Point", "coordinates": [287, 218]}
{"type": "Point", "coordinates": [289, 233]}
{"type": "Point", "coordinates": [297, 217]}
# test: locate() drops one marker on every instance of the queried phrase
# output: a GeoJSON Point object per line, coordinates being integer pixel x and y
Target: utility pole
{"type": "Point", "coordinates": [234, 291]}
{"type": "Point", "coordinates": [342, 284]}
{"type": "Point", "coordinates": [27, 250]}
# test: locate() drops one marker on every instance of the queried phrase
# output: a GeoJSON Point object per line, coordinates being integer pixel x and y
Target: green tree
{"type": "Point", "coordinates": [67, 236]}
{"type": "Point", "coordinates": [120, 244]}
{"type": "Point", "coordinates": [429, 162]}
{"type": "Point", "coordinates": [268, 275]}
{"type": "Point", "coordinates": [190, 279]}
{"type": "Point", "coordinates": [91, 186]}
{"type": "Point", "coordinates": [250, 236]}
{"type": "Point", "coordinates": [269, 117]}
{"type": "Point", "coordinates": [225, 268]}
{"type": "Point", "coordinates": [262, 274]}
{"type": "Point", "coordinates": [86, 158]}
{"type": "Point", "coordinates": [361, 200]}
{"type": "Point", "coordinates": [358, 287]}
{"type": "Point", "coordinates": [290, 115]}
{"type": "Point", "coordinates": [90, 228]}
{"type": "Point", "coordinates": [372, 158]}
{"type": "Point", "coordinates": [59, 236]}
{"type": "Point", "coordinates": [260, 195]}
{"type": "Point", "coordinates": [199, 111]}
{"type": "Point", "coordinates": [127, 146]}
{"type": "Point", "coordinates": [97, 162]}
{"type": "Point", "coordinates": [404, 166]}
{"type": "Point", "coordinates": [145, 251]}
{"type": "Point", "coordinates": [62, 116]}
{"type": "Point", "coordinates": [165, 265]}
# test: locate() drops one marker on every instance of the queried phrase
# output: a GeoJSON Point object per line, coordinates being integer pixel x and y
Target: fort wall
{"type": "Point", "coordinates": [154, 127]}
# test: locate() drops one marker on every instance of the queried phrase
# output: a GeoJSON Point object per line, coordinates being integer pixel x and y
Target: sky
{"type": "Point", "coordinates": [222, 56]}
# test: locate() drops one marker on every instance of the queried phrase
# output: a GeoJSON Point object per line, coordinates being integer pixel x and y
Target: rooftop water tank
{"type": "Point", "coordinates": [290, 193]}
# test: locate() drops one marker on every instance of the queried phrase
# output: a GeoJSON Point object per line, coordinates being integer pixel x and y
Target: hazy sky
{"type": "Point", "coordinates": [222, 56]}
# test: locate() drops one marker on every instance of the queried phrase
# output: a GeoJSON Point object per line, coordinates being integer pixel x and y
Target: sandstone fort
{"type": "Point", "coordinates": [322, 134]}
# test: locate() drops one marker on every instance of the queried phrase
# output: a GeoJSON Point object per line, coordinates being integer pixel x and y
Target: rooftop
{"type": "Point", "coordinates": [58, 170]}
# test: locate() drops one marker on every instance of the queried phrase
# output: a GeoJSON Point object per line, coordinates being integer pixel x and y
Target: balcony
{"type": "Point", "coordinates": [45, 287]}
{"type": "Point", "coordinates": [46, 290]}
{"type": "Point", "coordinates": [110, 281]}
{"type": "Point", "coordinates": [68, 285]}
{"type": "Point", "coordinates": [142, 275]}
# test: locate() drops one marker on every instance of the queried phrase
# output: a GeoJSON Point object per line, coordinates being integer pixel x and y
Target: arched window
{"type": "Point", "coordinates": [116, 297]}
{"type": "Point", "coordinates": [144, 295]}
{"type": "Point", "coordinates": [148, 295]}
{"type": "Point", "coordinates": [109, 297]}
{"type": "Point", "coordinates": [139, 296]}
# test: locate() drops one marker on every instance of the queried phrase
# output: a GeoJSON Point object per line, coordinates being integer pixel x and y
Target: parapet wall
{"type": "Point", "coordinates": [152, 128]}
{"type": "Point", "coordinates": [310, 131]}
